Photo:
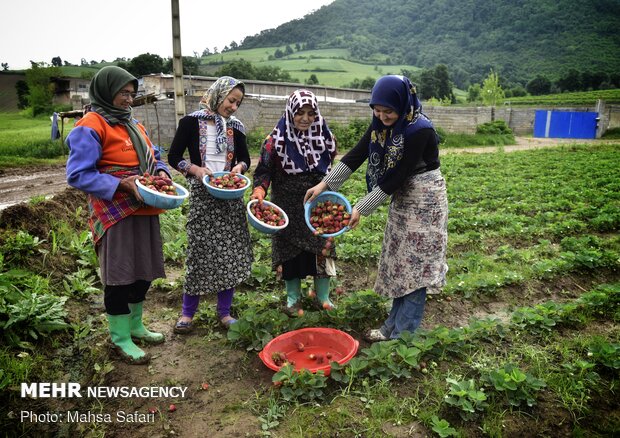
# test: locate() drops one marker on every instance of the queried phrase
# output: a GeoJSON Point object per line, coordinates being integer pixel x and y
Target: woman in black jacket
{"type": "Point", "coordinates": [219, 253]}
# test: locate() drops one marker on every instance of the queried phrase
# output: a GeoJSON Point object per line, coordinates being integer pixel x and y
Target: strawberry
{"type": "Point", "coordinates": [172, 408]}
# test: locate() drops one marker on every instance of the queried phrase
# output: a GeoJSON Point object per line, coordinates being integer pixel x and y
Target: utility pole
{"type": "Point", "coordinates": [177, 63]}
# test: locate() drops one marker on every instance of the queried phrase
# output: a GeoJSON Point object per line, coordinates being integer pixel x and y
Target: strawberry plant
{"type": "Point", "coordinates": [346, 374]}
{"type": "Point", "coordinates": [442, 428]}
{"type": "Point", "coordinates": [606, 353]}
{"type": "Point", "coordinates": [303, 385]}
{"type": "Point", "coordinates": [514, 385]}
{"type": "Point", "coordinates": [255, 329]}
{"type": "Point", "coordinates": [543, 317]}
{"type": "Point", "coordinates": [466, 397]}
{"type": "Point", "coordinates": [358, 311]}
{"type": "Point", "coordinates": [390, 359]}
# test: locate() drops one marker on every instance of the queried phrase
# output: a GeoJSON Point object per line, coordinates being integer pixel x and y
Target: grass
{"type": "Point", "coordinates": [25, 140]}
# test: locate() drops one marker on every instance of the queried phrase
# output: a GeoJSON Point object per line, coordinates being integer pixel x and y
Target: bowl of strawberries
{"type": "Point", "coordinates": [266, 216]}
{"type": "Point", "coordinates": [328, 215]}
{"type": "Point", "coordinates": [161, 191]}
{"type": "Point", "coordinates": [226, 185]}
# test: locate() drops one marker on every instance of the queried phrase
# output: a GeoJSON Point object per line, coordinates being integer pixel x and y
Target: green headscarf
{"type": "Point", "coordinates": [105, 85]}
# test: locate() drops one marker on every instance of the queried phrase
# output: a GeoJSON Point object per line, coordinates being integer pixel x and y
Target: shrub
{"type": "Point", "coordinates": [495, 127]}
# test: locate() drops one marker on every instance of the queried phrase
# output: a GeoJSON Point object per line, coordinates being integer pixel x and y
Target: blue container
{"type": "Point", "coordinates": [226, 193]}
{"type": "Point", "coordinates": [565, 124]}
{"type": "Point", "coordinates": [262, 226]}
{"type": "Point", "coordinates": [327, 196]}
{"type": "Point", "coordinates": [161, 200]}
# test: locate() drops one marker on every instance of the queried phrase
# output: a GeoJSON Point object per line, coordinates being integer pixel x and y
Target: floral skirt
{"type": "Point", "coordinates": [219, 251]}
{"type": "Point", "coordinates": [416, 238]}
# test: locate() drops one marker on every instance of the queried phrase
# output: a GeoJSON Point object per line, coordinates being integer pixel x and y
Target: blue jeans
{"type": "Point", "coordinates": [405, 315]}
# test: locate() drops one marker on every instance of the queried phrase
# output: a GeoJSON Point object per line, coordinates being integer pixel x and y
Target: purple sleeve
{"type": "Point", "coordinates": [82, 173]}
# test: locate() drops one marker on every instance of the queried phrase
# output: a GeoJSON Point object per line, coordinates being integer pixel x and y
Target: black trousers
{"type": "Point", "coordinates": [117, 298]}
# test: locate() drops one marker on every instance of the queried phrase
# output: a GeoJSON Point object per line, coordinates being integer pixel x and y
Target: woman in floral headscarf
{"type": "Point", "coordinates": [401, 147]}
{"type": "Point", "coordinates": [295, 156]}
{"type": "Point", "coordinates": [219, 254]}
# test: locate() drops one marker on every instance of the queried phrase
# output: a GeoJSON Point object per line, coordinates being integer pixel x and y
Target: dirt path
{"type": "Point", "coordinates": [22, 184]}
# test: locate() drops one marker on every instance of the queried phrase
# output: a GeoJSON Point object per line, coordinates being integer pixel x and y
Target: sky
{"type": "Point", "coordinates": [38, 30]}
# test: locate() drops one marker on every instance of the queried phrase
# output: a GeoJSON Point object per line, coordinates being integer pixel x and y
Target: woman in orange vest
{"type": "Point", "coordinates": [109, 150]}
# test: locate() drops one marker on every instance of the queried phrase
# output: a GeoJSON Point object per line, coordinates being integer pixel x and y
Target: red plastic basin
{"type": "Point", "coordinates": [317, 341]}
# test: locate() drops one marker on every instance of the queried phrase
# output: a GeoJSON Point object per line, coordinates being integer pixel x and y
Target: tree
{"type": "Point", "coordinates": [240, 69]}
{"type": "Point", "coordinates": [312, 80]}
{"type": "Point", "coordinates": [5, 66]}
{"type": "Point", "coordinates": [274, 74]}
{"type": "Point", "coordinates": [538, 86]}
{"type": "Point", "coordinates": [145, 64]}
{"type": "Point", "coordinates": [22, 94]}
{"type": "Point", "coordinates": [40, 88]}
{"type": "Point", "coordinates": [491, 91]}
{"type": "Point", "coordinates": [436, 83]}
{"type": "Point", "coordinates": [367, 83]}
{"type": "Point", "coordinates": [473, 93]}
{"type": "Point", "coordinates": [206, 52]}
{"type": "Point", "coordinates": [56, 61]}
{"type": "Point", "coordinates": [444, 84]}
{"type": "Point", "coordinates": [570, 82]}
{"type": "Point", "coordinates": [191, 65]}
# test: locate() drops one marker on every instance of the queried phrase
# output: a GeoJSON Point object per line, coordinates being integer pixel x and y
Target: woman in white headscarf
{"type": "Point", "coordinates": [219, 254]}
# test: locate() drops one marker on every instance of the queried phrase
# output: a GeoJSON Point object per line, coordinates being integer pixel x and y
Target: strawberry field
{"type": "Point", "coordinates": [524, 341]}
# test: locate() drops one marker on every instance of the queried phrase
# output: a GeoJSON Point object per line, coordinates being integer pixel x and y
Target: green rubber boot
{"type": "Point", "coordinates": [138, 331]}
{"type": "Point", "coordinates": [293, 291]}
{"type": "Point", "coordinates": [120, 332]}
{"type": "Point", "coordinates": [322, 292]}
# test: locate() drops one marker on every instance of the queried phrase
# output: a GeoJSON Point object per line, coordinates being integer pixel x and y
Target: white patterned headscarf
{"type": "Point", "coordinates": [209, 103]}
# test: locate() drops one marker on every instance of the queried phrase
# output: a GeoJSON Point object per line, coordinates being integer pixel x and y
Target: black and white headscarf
{"type": "Point", "coordinates": [303, 151]}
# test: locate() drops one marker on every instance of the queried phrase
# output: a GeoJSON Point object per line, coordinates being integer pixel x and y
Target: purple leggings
{"type": "Point", "coordinates": [224, 301]}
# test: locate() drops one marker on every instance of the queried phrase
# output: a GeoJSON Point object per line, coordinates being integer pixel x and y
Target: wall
{"type": "Point", "coordinates": [263, 114]}
{"type": "Point", "coordinates": [8, 92]}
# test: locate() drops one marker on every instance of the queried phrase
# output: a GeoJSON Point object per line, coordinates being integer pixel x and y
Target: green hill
{"type": "Point", "coordinates": [332, 67]}
{"type": "Point", "coordinates": [518, 38]}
